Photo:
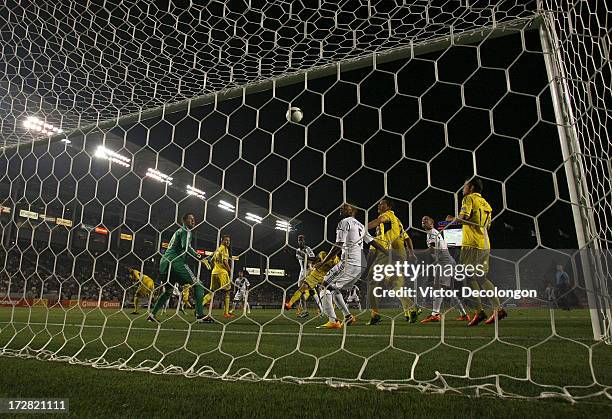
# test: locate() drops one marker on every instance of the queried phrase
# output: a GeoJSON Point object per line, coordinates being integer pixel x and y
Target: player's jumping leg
{"type": "Point", "coordinates": [328, 308]}
{"type": "Point", "coordinates": [162, 300]}
{"type": "Point", "coordinates": [135, 303]}
{"type": "Point", "coordinates": [226, 305]}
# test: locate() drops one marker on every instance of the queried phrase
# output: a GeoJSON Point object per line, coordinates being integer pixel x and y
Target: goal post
{"type": "Point", "coordinates": [590, 250]}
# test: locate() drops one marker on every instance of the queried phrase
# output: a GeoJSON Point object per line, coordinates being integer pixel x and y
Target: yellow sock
{"type": "Point", "coordinates": [135, 303]}
{"type": "Point", "coordinates": [306, 295]}
{"type": "Point", "coordinates": [296, 296]}
{"type": "Point", "coordinates": [488, 285]}
{"type": "Point", "coordinates": [207, 298]}
{"type": "Point", "coordinates": [227, 302]}
{"type": "Point", "coordinates": [374, 312]}
{"type": "Point", "coordinates": [475, 286]}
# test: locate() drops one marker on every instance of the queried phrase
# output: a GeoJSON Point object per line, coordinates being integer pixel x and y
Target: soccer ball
{"type": "Point", "coordinates": [294, 114]}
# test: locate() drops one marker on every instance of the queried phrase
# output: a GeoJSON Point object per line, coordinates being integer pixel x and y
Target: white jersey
{"type": "Point", "coordinates": [176, 292]}
{"type": "Point", "coordinates": [352, 234]}
{"type": "Point", "coordinates": [302, 256]}
{"type": "Point", "coordinates": [354, 294]}
{"type": "Point", "coordinates": [241, 284]}
{"type": "Point", "coordinates": [436, 241]}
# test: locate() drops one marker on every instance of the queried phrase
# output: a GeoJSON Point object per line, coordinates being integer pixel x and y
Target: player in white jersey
{"type": "Point", "coordinates": [350, 237]}
{"type": "Point", "coordinates": [242, 291]}
{"type": "Point", "coordinates": [353, 297]}
{"type": "Point", "coordinates": [442, 258]}
{"type": "Point", "coordinates": [305, 256]}
{"type": "Point", "coordinates": [175, 293]}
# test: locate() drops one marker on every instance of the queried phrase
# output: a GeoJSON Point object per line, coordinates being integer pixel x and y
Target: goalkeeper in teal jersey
{"type": "Point", "coordinates": [173, 268]}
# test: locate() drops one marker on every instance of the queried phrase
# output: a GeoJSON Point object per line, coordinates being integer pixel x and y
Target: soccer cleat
{"type": "Point", "coordinates": [287, 306]}
{"type": "Point", "coordinates": [303, 314]}
{"type": "Point", "coordinates": [350, 320]}
{"type": "Point", "coordinates": [229, 315]}
{"type": "Point", "coordinates": [375, 319]}
{"type": "Point", "coordinates": [413, 315]}
{"type": "Point", "coordinates": [152, 319]}
{"type": "Point", "coordinates": [204, 319]}
{"type": "Point", "coordinates": [464, 318]}
{"type": "Point", "coordinates": [431, 319]}
{"type": "Point", "coordinates": [498, 314]}
{"type": "Point", "coordinates": [134, 312]}
{"type": "Point", "coordinates": [479, 316]}
{"type": "Point", "coordinates": [330, 325]}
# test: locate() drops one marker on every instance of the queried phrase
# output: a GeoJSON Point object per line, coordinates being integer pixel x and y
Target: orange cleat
{"type": "Point", "coordinates": [229, 315]}
{"type": "Point", "coordinates": [479, 316]}
{"type": "Point", "coordinates": [350, 320]}
{"type": "Point", "coordinates": [330, 325]}
{"type": "Point", "coordinates": [287, 306]}
{"type": "Point", "coordinates": [464, 318]}
{"type": "Point", "coordinates": [432, 318]}
{"type": "Point", "coordinates": [498, 314]}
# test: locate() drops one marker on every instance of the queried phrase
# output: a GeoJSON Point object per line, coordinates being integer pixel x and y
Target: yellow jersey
{"type": "Point", "coordinates": [320, 272]}
{"type": "Point", "coordinates": [143, 279]}
{"type": "Point", "coordinates": [390, 233]}
{"type": "Point", "coordinates": [476, 210]}
{"type": "Point", "coordinates": [220, 255]}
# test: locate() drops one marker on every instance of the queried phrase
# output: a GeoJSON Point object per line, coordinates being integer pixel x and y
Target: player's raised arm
{"type": "Point", "coordinates": [341, 232]}
{"type": "Point", "coordinates": [378, 221]}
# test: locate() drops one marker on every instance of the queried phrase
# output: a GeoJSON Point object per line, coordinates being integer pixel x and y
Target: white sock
{"type": "Point", "coordinates": [459, 305]}
{"type": "Point", "coordinates": [317, 300]}
{"type": "Point", "coordinates": [328, 308]}
{"type": "Point", "coordinates": [339, 300]}
{"type": "Point", "coordinates": [437, 304]}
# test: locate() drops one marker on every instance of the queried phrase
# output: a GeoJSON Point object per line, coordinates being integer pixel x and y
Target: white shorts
{"type": "Point", "coordinates": [332, 273]}
{"type": "Point", "coordinates": [345, 277]}
{"type": "Point", "coordinates": [240, 296]}
{"type": "Point", "coordinates": [444, 280]}
{"type": "Point", "coordinates": [352, 299]}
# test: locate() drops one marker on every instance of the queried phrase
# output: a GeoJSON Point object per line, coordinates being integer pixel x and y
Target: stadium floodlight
{"type": "Point", "coordinates": [196, 192]}
{"type": "Point", "coordinates": [253, 217]}
{"type": "Point", "coordinates": [104, 153]}
{"type": "Point", "coordinates": [159, 176]}
{"type": "Point", "coordinates": [36, 124]}
{"type": "Point", "coordinates": [226, 206]}
{"type": "Point", "coordinates": [283, 225]}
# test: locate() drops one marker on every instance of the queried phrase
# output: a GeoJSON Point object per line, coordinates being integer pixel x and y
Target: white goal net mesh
{"type": "Point", "coordinates": [117, 118]}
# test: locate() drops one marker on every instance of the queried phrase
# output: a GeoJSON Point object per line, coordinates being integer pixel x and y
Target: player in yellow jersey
{"type": "Point", "coordinates": [145, 288]}
{"type": "Point", "coordinates": [185, 296]}
{"type": "Point", "coordinates": [220, 278]}
{"type": "Point", "coordinates": [314, 278]}
{"type": "Point", "coordinates": [391, 235]}
{"type": "Point", "coordinates": [475, 218]}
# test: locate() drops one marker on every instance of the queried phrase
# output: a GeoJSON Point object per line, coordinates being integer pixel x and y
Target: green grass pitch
{"type": "Point", "coordinates": [268, 343]}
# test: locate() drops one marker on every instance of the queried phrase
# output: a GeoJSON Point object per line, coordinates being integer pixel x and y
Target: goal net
{"type": "Point", "coordinates": [119, 119]}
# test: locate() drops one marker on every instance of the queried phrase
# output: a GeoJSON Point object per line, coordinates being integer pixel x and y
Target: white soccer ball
{"type": "Point", "coordinates": [294, 114]}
